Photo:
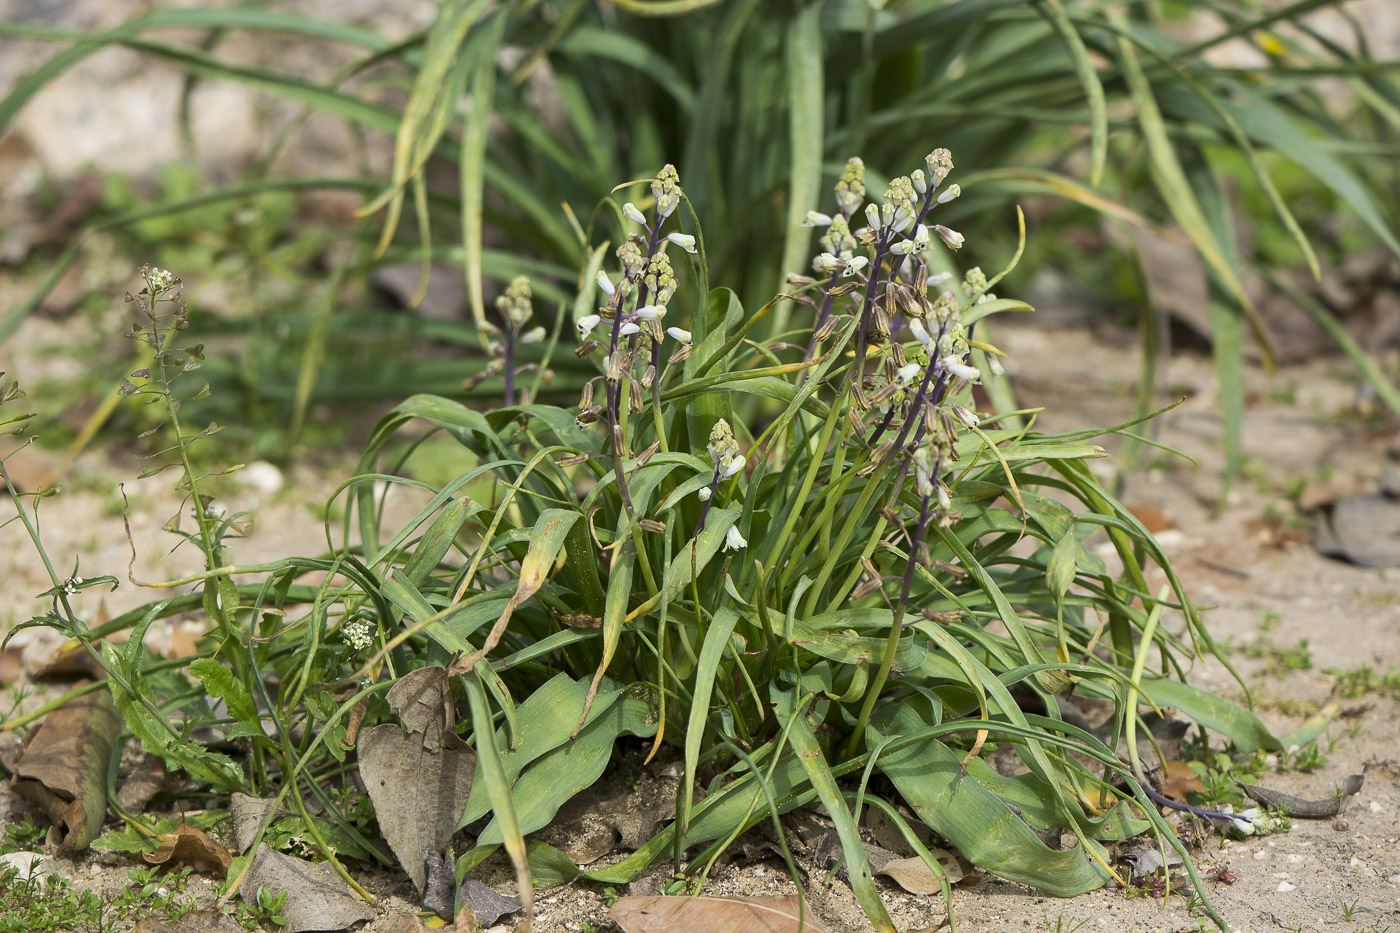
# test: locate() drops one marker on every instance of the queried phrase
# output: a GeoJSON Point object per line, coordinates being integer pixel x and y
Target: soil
{"type": "Point", "coordinates": [1249, 560]}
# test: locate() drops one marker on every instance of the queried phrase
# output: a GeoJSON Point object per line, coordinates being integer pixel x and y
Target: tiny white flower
{"type": "Point", "coordinates": [704, 493]}
{"type": "Point", "coordinates": [923, 473]}
{"type": "Point", "coordinates": [994, 364]}
{"type": "Point", "coordinates": [628, 329]}
{"type": "Point", "coordinates": [960, 369]}
{"type": "Point", "coordinates": [651, 312]}
{"type": "Point", "coordinates": [966, 417]}
{"type": "Point", "coordinates": [886, 215]}
{"type": "Point", "coordinates": [903, 220]}
{"type": "Point", "coordinates": [949, 193]}
{"type": "Point", "coordinates": [942, 278]}
{"type": "Point", "coordinates": [872, 216]}
{"type": "Point", "coordinates": [920, 332]}
{"type": "Point", "coordinates": [733, 540]}
{"type": "Point", "coordinates": [815, 219]}
{"type": "Point", "coordinates": [916, 177]}
{"type": "Point", "coordinates": [944, 500]}
{"type": "Point", "coordinates": [731, 466]}
{"type": "Point", "coordinates": [855, 265]}
{"type": "Point", "coordinates": [951, 238]}
{"type": "Point", "coordinates": [680, 334]}
{"type": "Point", "coordinates": [826, 263]}
{"type": "Point", "coordinates": [684, 240]}
{"type": "Point", "coordinates": [586, 324]}
{"type": "Point", "coordinates": [605, 284]}
{"type": "Point", "coordinates": [921, 239]}
{"type": "Point", "coordinates": [634, 215]}
{"type": "Point", "coordinates": [908, 372]}
{"type": "Point", "coordinates": [902, 248]}
{"type": "Point", "coordinates": [533, 335]}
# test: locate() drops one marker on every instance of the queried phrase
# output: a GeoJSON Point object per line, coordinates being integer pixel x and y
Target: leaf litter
{"type": "Point", "coordinates": [418, 775]}
{"type": "Point", "coordinates": [317, 898]}
{"type": "Point", "coordinates": [64, 766]}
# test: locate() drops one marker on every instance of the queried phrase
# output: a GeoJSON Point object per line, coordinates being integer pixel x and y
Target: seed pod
{"type": "Point", "coordinates": [828, 328]}
{"type": "Point", "coordinates": [589, 415]}
{"type": "Point", "coordinates": [634, 396]}
{"type": "Point", "coordinates": [649, 377]}
{"type": "Point", "coordinates": [585, 398]}
{"type": "Point", "coordinates": [583, 350]}
{"type": "Point", "coordinates": [648, 524]}
{"type": "Point", "coordinates": [646, 455]}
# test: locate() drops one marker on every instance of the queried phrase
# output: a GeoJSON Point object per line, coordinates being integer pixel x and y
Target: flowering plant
{"type": "Point", "coordinates": [818, 567]}
{"type": "Point", "coordinates": [815, 558]}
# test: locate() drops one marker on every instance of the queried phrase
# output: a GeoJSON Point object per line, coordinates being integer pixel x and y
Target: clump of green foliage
{"type": "Point", "coordinates": [815, 564]}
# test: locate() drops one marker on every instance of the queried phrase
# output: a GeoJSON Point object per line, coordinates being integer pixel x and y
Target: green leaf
{"type": "Point", "coordinates": [930, 776]}
{"type": "Point", "coordinates": [805, 91]}
{"type": "Point", "coordinates": [563, 772]}
{"type": "Point", "coordinates": [1060, 569]}
{"type": "Point", "coordinates": [1218, 714]}
{"type": "Point", "coordinates": [547, 719]}
{"type": "Point", "coordinates": [809, 754]}
{"type": "Point", "coordinates": [221, 684]}
{"type": "Point", "coordinates": [711, 654]}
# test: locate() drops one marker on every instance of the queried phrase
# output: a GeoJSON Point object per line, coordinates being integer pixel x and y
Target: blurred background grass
{"type": "Point", "coordinates": [1223, 173]}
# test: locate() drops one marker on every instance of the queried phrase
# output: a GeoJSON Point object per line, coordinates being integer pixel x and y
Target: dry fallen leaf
{"type": "Point", "coordinates": [914, 876]}
{"type": "Point", "coordinates": [1179, 780]}
{"type": "Point", "coordinates": [143, 783]}
{"type": "Point", "coordinates": [189, 844]}
{"type": "Point", "coordinates": [406, 923]}
{"type": "Point", "coordinates": [418, 780]}
{"type": "Point", "coordinates": [663, 914]}
{"type": "Point", "coordinates": [64, 768]}
{"type": "Point", "coordinates": [248, 815]}
{"type": "Point", "coordinates": [317, 898]}
{"type": "Point", "coordinates": [487, 905]}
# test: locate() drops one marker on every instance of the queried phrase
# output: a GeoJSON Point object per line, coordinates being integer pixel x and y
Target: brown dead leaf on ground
{"type": "Point", "coordinates": [408, 923]}
{"type": "Point", "coordinates": [189, 844]}
{"type": "Point", "coordinates": [418, 780]}
{"type": "Point", "coordinates": [317, 898]}
{"type": "Point", "coordinates": [64, 768]}
{"type": "Point", "coordinates": [143, 783]}
{"type": "Point", "coordinates": [487, 904]}
{"type": "Point", "coordinates": [1178, 780]}
{"type": "Point", "coordinates": [914, 876]}
{"type": "Point", "coordinates": [248, 814]}
{"type": "Point", "coordinates": [197, 921]}
{"type": "Point", "coordinates": [666, 914]}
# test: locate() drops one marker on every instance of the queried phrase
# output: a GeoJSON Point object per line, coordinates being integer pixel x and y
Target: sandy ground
{"type": "Point", "coordinates": [1264, 586]}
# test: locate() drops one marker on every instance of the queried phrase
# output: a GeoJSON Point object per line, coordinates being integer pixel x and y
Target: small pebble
{"type": "Point", "coordinates": [1341, 825]}
{"type": "Point", "coordinates": [261, 476]}
{"type": "Point", "coordinates": [1284, 887]}
{"type": "Point", "coordinates": [1261, 855]}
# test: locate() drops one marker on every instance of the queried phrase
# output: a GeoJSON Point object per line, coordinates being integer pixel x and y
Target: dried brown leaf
{"type": "Point", "coordinates": [64, 768]}
{"type": "Point", "coordinates": [914, 876]}
{"type": "Point", "coordinates": [418, 790]}
{"type": "Point", "coordinates": [663, 914]}
{"type": "Point", "coordinates": [317, 898]}
{"type": "Point", "coordinates": [1179, 780]}
{"type": "Point", "coordinates": [190, 844]}
{"type": "Point", "coordinates": [143, 783]}
{"type": "Point", "coordinates": [249, 814]}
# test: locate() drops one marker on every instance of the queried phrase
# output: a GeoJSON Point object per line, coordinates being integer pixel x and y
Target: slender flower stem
{"type": "Point", "coordinates": [896, 628]}
{"type": "Point", "coordinates": [509, 375]}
